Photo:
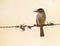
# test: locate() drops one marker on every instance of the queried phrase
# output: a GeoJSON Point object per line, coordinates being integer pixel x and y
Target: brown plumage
{"type": "Point", "coordinates": [40, 19]}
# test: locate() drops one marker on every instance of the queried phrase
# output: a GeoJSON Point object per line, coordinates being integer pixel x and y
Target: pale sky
{"type": "Point", "coordinates": [16, 12]}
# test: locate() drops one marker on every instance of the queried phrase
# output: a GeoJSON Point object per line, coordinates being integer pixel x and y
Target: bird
{"type": "Point", "coordinates": [40, 19]}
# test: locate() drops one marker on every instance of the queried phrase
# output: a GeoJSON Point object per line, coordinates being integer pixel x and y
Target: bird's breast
{"type": "Point", "coordinates": [40, 16]}
{"type": "Point", "coordinates": [40, 19]}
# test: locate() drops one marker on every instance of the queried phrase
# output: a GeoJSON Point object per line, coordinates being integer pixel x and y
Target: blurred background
{"type": "Point", "coordinates": [16, 12]}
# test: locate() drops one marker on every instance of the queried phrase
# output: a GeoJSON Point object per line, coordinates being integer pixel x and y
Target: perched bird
{"type": "Point", "coordinates": [40, 19]}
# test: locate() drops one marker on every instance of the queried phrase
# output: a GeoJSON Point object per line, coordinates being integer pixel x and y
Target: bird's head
{"type": "Point", "coordinates": [40, 10]}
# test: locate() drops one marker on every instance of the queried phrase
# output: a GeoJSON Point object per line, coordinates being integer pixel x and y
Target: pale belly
{"type": "Point", "coordinates": [40, 19]}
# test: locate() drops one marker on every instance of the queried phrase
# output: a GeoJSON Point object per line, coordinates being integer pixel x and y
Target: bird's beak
{"type": "Point", "coordinates": [35, 11]}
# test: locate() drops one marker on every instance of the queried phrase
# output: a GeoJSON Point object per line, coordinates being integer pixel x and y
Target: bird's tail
{"type": "Point", "coordinates": [41, 32]}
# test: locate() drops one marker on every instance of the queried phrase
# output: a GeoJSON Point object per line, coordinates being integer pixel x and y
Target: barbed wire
{"type": "Point", "coordinates": [24, 26]}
